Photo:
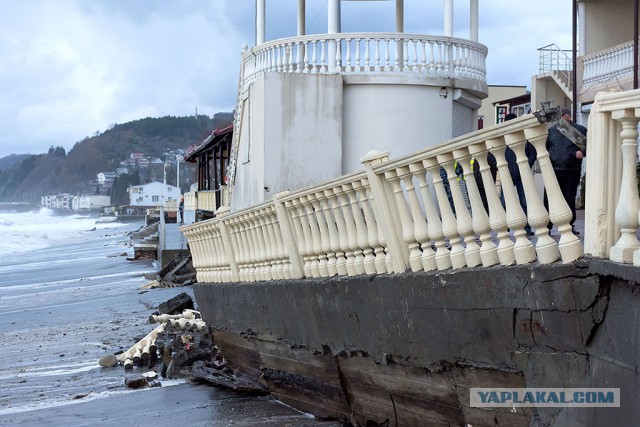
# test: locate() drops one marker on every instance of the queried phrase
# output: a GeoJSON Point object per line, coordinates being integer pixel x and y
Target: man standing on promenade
{"type": "Point", "coordinates": [566, 159]}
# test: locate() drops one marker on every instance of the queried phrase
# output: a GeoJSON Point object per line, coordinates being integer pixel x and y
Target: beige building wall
{"type": "Point", "coordinates": [498, 93]}
{"type": "Point", "coordinates": [609, 23]}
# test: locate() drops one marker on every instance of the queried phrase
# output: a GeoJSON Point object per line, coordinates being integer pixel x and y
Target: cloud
{"type": "Point", "coordinates": [72, 68]}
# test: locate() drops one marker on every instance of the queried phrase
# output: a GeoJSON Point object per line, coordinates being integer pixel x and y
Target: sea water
{"type": "Point", "coordinates": [25, 231]}
{"type": "Point", "coordinates": [68, 296]}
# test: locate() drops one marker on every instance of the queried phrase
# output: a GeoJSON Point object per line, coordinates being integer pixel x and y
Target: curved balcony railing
{"type": "Point", "coordinates": [367, 53]}
{"type": "Point", "coordinates": [608, 64]}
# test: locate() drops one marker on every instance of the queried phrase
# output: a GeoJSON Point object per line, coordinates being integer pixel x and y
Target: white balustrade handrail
{"type": "Point", "coordinates": [366, 53]}
{"type": "Point", "coordinates": [608, 64]}
{"type": "Point", "coordinates": [397, 215]}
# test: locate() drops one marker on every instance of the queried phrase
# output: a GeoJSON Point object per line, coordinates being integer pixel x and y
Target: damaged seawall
{"type": "Point", "coordinates": [407, 348]}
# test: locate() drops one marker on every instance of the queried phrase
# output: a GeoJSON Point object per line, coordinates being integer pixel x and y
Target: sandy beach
{"type": "Point", "coordinates": [63, 306]}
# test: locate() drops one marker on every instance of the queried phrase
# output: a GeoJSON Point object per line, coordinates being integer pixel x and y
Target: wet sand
{"type": "Point", "coordinates": [62, 308]}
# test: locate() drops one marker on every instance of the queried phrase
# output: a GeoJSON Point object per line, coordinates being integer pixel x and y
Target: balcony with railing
{"type": "Point", "coordinates": [395, 215]}
{"type": "Point", "coordinates": [367, 53]}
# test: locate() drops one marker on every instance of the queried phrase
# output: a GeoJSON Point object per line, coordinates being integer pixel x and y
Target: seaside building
{"type": "Point", "coordinates": [350, 93]}
{"type": "Point", "coordinates": [154, 194]}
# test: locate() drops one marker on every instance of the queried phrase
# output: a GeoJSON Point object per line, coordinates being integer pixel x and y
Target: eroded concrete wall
{"type": "Point", "coordinates": [408, 347]}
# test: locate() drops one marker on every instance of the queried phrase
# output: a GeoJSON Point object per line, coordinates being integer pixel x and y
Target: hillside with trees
{"type": "Point", "coordinates": [27, 177]}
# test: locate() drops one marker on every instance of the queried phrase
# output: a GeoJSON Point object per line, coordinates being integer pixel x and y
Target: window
{"type": "Point", "coordinates": [169, 189]}
{"type": "Point", "coordinates": [155, 199]}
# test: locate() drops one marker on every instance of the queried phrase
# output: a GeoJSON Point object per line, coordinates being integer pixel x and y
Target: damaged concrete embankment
{"type": "Point", "coordinates": [407, 348]}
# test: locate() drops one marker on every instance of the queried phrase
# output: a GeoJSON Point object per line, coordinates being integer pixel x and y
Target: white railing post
{"type": "Point", "coordinates": [434, 225]}
{"type": "Point", "coordinates": [480, 219]}
{"type": "Point", "coordinates": [449, 225]}
{"type": "Point", "coordinates": [342, 246]}
{"type": "Point", "coordinates": [229, 247]}
{"type": "Point", "coordinates": [385, 213]}
{"type": "Point", "coordinates": [537, 215]}
{"type": "Point", "coordinates": [516, 220]}
{"type": "Point", "coordinates": [628, 203]}
{"type": "Point", "coordinates": [394, 177]}
{"type": "Point", "coordinates": [559, 212]}
{"type": "Point", "coordinates": [463, 218]}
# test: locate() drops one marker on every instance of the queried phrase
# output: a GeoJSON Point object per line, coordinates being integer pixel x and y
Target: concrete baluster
{"type": "Point", "coordinates": [362, 226]}
{"type": "Point", "coordinates": [420, 235]}
{"type": "Point", "coordinates": [330, 242]}
{"type": "Point", "coordinates": [323, 57]}
{"type": "Point", "coordinates": [356, 66]}
{"type": "Point", "coordinates": [387, 56]}
{"type": "Point", "coordinates": [268, 260]}
{"type": "Point", "coordinates": [449, 222]}
{"type": "Point", "coordinates": [353, 215]}
{"type": "Point", "coordinates": [339, 246]}
{"type": "Point", "coordinates": [211, 254]}
{"type": "Point", "coordinates": [314, 58]}
{"type": "Point", "coordinates": [323, 235]}
{"type": "Point", "coordinates": [434, 225]}
{"type": "Point", "coordinates": [249, 242]}
{"type": "Point", "coordinates": [280, 263]}
{"type": "Point", "coordinates": [240, 249]}
{"type": "Point", "coordinates": [215, 274]}
{"type": "Point", "coordinates": [546, 247]}
{"type": "Point", "coordinates": [516, 220]}
{"type": "Point", "coordinates": [307, 240]}
{"type": "Point", "coordinates": [350, 230]}
{"type": "Point", "coordinates": [367, 55]}
{"type": "Point", "coordinates": [230, 248]}
{"type": "Point", "coordinates": [497, 215]}
{"type": "Point", "coordinates": [406, 223]}
{"type": "Point", "coordinates": [292, 237]}
{"type": "Point", "coordinates": [479, 219]}
{"type": "Point", "coordinates": [463, 218]}
{"type": "Point", "coordinates": [316, 242]}
{"type": "Point", "coordinates": [559, 213]}
{"type": "Point", "coordinates": [628, 202]}
{"type": "Point", "coordinates": [376, 264]}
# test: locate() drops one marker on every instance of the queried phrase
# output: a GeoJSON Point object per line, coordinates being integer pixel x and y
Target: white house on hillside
{"type": "Point", "coordinates": [153, 194]}
{"type": "Point", "coordinates": [89, 202]}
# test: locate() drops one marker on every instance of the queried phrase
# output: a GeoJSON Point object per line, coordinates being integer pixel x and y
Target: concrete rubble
{"type": "Point", "coordinates": [178, 272]}
{"type": "Point", "coordinates": [179, 346]}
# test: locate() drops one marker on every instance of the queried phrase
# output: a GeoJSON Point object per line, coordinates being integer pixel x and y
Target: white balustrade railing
{"type": "Point", "coordinates": [396, 215]}
{"type": "Point", "coordinates": [190, 203]}
{"type": "Point", "coordinates": [613, 206]}
{"type": "Point", "coordinates": [366, 53]}
{"type": "Point", "coordinates": [204, 200]}
{"type": "Point", "coordinates": [608, 64]}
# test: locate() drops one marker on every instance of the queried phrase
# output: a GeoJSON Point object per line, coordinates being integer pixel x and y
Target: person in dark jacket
{"type": "Point", "coordinates": [514, 171]}
{"type": "Point", "coordinates": [566, 159]}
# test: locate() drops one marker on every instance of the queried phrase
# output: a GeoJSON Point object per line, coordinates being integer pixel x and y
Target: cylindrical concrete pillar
{"type": "Point", "coordinates": [448, 18]}
{"type": "Point", "coordinates": [260, 21]}
{"type": "Point", "coordinates": [473, 20]}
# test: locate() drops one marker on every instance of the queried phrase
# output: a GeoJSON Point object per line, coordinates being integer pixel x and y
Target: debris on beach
{"type": "Point", "coordinates": [180, 346]}
{"type": "Point", "coordinates": [178, 272]}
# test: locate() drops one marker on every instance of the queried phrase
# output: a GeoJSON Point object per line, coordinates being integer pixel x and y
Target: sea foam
{"type": "Point", "coordinates": [26, 231]}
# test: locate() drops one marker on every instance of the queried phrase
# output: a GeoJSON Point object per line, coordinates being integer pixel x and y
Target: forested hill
{"type": "Point", "coordinates": [59, 172]}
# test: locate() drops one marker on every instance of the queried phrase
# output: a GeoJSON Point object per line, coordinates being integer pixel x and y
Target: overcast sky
{"type": "Point", "coordinates": [71, 68]}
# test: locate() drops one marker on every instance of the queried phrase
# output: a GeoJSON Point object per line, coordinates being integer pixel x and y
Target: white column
{"type": "Point", "coordinates": [260, 21]}
{"type": "Point", "coordinates": [628, 202]}
{"type": "Point", "coordinates": [333, 27]}
{"type": "Point", "coordinates": [473, 20]}
{"type": "Point", "coordinates": [333, 10]}
{"type": "Point", "coordinates": [448, 18]}
{"type": "Point", "coordinates": [301, 18]}
{"type": "Point", "coordinates": [582, 29]}
{"type": "Point", "coordinates": [399, 16]}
